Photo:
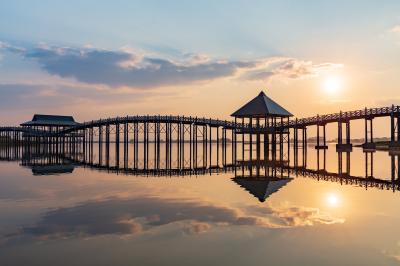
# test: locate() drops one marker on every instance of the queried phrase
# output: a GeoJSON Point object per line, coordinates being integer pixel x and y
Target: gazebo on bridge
{"type": "Point", "coordinates": [50, 123]}
{"type": "Point", "coordinates": [266, 114]}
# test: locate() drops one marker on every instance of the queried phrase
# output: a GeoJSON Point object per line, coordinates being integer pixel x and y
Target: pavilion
{"type": "Point", "coordinates": [266, 113]}
{"type": "Point", "coordinates": [51, 123]}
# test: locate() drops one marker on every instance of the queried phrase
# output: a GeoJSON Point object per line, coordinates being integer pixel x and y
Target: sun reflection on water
{"type": "Point", "coordinates": [332, 200]}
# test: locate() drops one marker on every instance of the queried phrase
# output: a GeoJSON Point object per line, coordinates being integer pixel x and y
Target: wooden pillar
{"type": "Point", "coordinates": [191, 143]}
{"type": "Point", "coordinates": [108, 144]}
{"type": "Point", "coordinates": [117, 142]}
{"type": "Point", "coordinates": [392, 127]}
{"type": "Point", "coordinates": [265, 134]}
{"type": "Point", "coordinates": [365, 130]}
{"type": "Point", "coordinates": [210, 145]}
{"type": "Point", "coordinates": [155, 133]}
{"type": "Point", "coordinates": [233, 144]}
{"type": "Point", "coordinates": [224, 146]}
{"type": "Point", "coordinates": [217, 145]}
{"type": "Point", "coordinates": [258, 140]}
{"type": "Point", "coordinates": [100, 144]}
{"type": "Point", "coordinates": [398, 123]}
{"type": "Point", "coordinates": [242, 139]}
{"type": "Point", "coordinates": [147, 143]}
{"type": "Point", "coordinates": [170, 145]}
{"type": "Point", "coordinates": [274, 139]}
{"type": "Point", "coordinates": [144, 144]}
{"type": "Point", "coordinates": [126, 143]}
{"type": "Point", "coordinates": [281, 140]}
{"type": "Point", "coordinates": [288, 138]}
{"type": "Point", "coordinates": [251, 139]}
{"type": "Point", "coordinates": [348, 132]}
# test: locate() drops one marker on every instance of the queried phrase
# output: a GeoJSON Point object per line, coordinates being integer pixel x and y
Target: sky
{"type": "Point", "coordinates": [97, 59]}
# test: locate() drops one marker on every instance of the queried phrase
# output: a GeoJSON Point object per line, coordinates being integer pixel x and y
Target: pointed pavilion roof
{"type": "Point", "coordinates": [262, 106]}
{"type": "Point", "coordinates": [262, 188]}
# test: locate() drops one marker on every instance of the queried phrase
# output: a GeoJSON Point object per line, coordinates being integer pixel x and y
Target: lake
{"type": "Point", "coordinates": [85, 209]}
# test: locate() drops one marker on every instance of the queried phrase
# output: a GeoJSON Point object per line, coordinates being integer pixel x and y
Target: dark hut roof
{"type": "Point", "coordinates": [261, 106]}
{"type": "Point", "coordinates": [262, 188]}
{"type": "Point", "coordinates": [55, 169]}
{"type": "Point", "coordinates": [51, 120]}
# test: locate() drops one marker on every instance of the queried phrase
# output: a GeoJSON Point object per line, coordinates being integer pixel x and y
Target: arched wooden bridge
{"type": "Point", "coordinates": [204, 131]}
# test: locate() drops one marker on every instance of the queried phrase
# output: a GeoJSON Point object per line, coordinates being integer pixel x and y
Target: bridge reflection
{"type": "Point", "coordinates": [261, 178]}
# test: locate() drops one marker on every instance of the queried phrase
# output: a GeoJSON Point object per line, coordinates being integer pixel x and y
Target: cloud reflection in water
{"type": "Point", "coordinates": [119, 216]}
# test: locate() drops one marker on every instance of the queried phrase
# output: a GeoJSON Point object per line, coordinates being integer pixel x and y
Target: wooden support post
{"type": "Point", "coordinates": [147, 143]}
{"type": "Point", "coordinates": [155, 132]}
{"type": "Point", "coordinates": [217, 145]}
{"type": "Point", "coordinates": [258, 140]}
{"type": "Point", "coordinates": [398, 123]}
{"type": "Point", "coordinates": [100, 144]}
{"type": "Point", "coordinates": [288, 138]}
{"type": "Point", "coordinates": [392, 127]}
{"type": "Point", "coordinates": [243, 139]}
{"type": "Point", "coordinates": [233, 146]}
{"type": "Point", "coordinates": [107, 144]}
{"type": "Point", "coordinates": [144, 144]}
{"type": "Point", "coordinates": [274, 138]}
{"type": "Point", "coordinates": [393, 168]}
{"type": "Point", "coordinates": [117, 142]}
{"type": "Point", "coordinates": [170, 145]}
{"type": "Point", "coordinates": [191, 144]}
{"type": "Point", "coordinates": [251, 140]}
{"type": "Point", "coordinates": [281, 141]}
{"type": "Point", "coordinates": [210, 146]}
{"type": "Point", "coordinates": [224, 144]}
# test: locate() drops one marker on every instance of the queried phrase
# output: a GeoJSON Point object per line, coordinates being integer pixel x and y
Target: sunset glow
{"type": "Point", "coordinates": [332, 85]}
{"type": "Point", "coordinates": [332, 200]}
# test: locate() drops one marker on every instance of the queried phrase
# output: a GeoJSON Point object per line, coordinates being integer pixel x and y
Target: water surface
{"type": "Point", "coordinates": [59, 209]}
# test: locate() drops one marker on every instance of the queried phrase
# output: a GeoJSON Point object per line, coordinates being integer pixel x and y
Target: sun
{"type": "Point", "coordinates": [332, 200]}
{"type": "Point", "coordinates": [332, 85]}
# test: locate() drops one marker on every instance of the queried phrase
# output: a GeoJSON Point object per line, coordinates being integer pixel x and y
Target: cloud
{"type": "Point", "coordinates": [196, 227]}
{"type": "Point", "coordinates": [294, 216]}
{"type": "Point", "coordinates": [134, 216]}
{"type": "Point", "coordinates": [120, 68]}
{"type": "Point", "coordinates": [292, 69]}
{"type": "Point", "coordinates": [11, 48]}
{"type": "Point", "coordinates": [143, 70]}
{"type": "Point", "coordinates": [27, 96]}
{"type": "Point", "coordinates": [395, 29]}
{"type": "Point", "coordinates": [50, 97]}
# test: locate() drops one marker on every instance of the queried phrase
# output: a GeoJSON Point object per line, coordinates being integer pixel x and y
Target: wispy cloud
{"type": "Point", "coordinates": [138, 215]}
{"type": "Point", "coordinates": [291, 68]}
{"type": "Point", "coordinates": [395, 29]}
{"type": "Point", "coordinates": [136, 70]}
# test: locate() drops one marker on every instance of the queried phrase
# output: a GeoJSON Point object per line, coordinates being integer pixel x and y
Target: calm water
{"type": "Point", "coordinates": [57, 211]}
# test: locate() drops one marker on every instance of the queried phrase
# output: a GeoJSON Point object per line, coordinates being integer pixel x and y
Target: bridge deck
{"type": "Point", "coordinates": [238, 127]}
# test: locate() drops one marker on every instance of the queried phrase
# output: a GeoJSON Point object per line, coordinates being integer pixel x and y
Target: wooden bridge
{"type": "Point", "coordinates": [43, 162]}
{"type": "Point", "coordinates": [267, 123]}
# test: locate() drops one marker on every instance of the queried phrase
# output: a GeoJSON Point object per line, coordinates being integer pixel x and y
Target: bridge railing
{"type": "Point", "coordinates": [342, 116]}
{"type": "Point", "coordinates": [314, 120]}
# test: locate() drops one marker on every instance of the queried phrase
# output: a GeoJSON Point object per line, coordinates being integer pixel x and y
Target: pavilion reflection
{"type": "Point", "coordinates": [260, 177]}
{"type": "Point", "coordinates": [39, 159]}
